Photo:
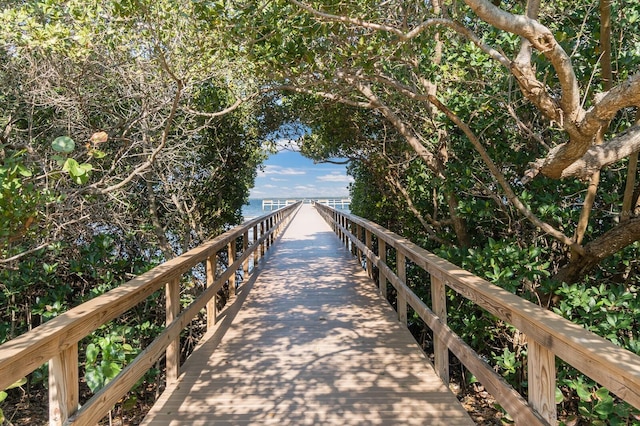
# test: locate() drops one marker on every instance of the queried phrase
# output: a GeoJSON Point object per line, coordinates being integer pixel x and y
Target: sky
{"type": "Point", "coordinates": [288, 174]}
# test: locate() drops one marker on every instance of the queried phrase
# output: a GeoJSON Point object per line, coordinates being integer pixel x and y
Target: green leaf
{"type": "Point", "coordinates": [3, 396]}
{"type": "Point", "coordinates": [583, 392]}
{"type": "Point", "coordinates": [71, 166]}
{"type": "Point", "coordinates": [559, 395]}
{"type": "Point", "coordinates": [79, 172]}
{"type": "Point", "coordinates": [110, 370]}
{"type": "Point", "coordinates": [59, 159]}
{"type": "Point", "coordinates": [92, 353]}
{"type": "Point", "coordinates": [130, 403]}
{"type": "Point", "coordinates": [604, 408]}
{"type": "Point", "coordinates": [96, 153]}
{"type": "Point", "coordinates": [95, 380]}
{"type": "Point", "coordinates": [24, 171]}
{"type": "Point", "coordinates": [603, 394]}
{"type": "Point", "coordinates": [63, 144]}
{"type": "Point", "coordinates": [18, 383]}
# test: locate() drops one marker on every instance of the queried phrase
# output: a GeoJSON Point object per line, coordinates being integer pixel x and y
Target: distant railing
{"type": "Point", "coordinates": [548, 334]}
{"type": "Point", "coordinates": [56, 341]}
{"type": "Point", "coordinates": [332, 202]}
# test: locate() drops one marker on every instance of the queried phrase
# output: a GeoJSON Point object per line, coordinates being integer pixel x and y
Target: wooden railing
{"type": "Point", "coordinates": [56, 341]}
{"type": "Point", "coordinates": [548, 334]}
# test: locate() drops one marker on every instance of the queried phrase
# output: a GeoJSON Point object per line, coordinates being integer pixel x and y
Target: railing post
{"type": "Point", "coordinates": [63, 385]}
{"type": "Point", "coordinates": [369, 244]}
{"type": "Point", "coordinates": [212, 304]}
{"type": "Point", "coordinates": [172, 292]}
{"type": "Point", "coordinates": [231, 256]}
{"type": "Point", "coordinates": [382, 278]}
{"type": "Point", "coordinates": [345, 224]}
{"type": "Point", "coordinates": [354, 232]}
{"type": "Point", "coordinates": [245, 247]}
{"type": "Point", "coordinates": [402, 297]}
{"type": "Point", "coordinates": [359, 238]}
{"type": "Point", "coordinates": [256, 251]}
{"type": "Point", "coordinates": [440, 350]}
{"type": "Point", "coordinates": [262, 244]}
{"type": "Point", "coordinates": [274, 222]}
{"type": "Point", "coordinates": [542, 380]}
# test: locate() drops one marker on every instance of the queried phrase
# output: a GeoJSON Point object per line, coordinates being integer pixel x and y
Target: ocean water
{"type": "Point", "coordinates": [254, 208]}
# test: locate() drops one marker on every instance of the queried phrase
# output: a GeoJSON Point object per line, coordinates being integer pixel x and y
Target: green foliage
{"type": "Point", "coordinates": [610, 310]}
{"type": "Point", "coordinates": [596, 405]}
{"type": "Point", "coordinates": [107, 356]}
{"type": "Point", "coordinates": [508, 363]}
{"type": "Point", "coordinates": [504, 263]}
{"type": "Point", "coordinates": [63, 144]}
{"type": "Point", "coordinates": [3, 395]}
{"type": "Point", "coordinates": [20, 200]}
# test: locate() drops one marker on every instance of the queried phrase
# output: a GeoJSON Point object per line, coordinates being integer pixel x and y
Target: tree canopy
{"type": "Point", "coordinates": [502, 135]}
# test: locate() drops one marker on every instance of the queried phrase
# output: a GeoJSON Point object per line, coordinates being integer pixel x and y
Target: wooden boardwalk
{"type": "Point", "coordinates": [313, 343]}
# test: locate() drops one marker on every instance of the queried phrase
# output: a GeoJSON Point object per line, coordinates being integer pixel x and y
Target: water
{"type": "Point", "coordinates": [254, 208]}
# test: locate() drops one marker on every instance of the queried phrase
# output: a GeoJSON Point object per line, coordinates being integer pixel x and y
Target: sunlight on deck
{"type": "Point", "coordinates": [312, 344]}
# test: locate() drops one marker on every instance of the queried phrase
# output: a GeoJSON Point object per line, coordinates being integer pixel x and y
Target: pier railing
{"type": "Point", "coordinates": [332, 202]}
{"type": "Point", "coordinates": [56, 341]}
{"type": "Point", "coordinates": [548, 335]}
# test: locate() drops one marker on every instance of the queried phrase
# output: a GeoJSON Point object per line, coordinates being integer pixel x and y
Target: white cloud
{"type": "Point", "coordinates": [287, 145]}
{"type": "Point", "coordinates": [334, 177]}
{"type": "Point", "coordinates": [277, 180]}
{"type": "Point", "coordinates": [278, 170]}
{"type": "Point", "coordinates": [305, 188]}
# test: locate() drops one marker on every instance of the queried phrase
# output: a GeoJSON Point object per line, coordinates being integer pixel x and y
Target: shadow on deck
{"type": "Point", "coordinates": [313, 343]}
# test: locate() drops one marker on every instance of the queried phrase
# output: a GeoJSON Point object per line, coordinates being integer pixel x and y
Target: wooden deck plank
{"type": "Point", "coordinates": [312, 344]}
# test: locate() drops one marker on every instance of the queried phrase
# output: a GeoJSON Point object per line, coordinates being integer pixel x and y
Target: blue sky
{"type": "Point", "coordinates": [288, 174]}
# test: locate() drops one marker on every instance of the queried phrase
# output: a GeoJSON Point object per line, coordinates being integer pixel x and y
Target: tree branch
{"type": "Point", "coordinates": [542, 39]}
{"type": "Point", "coordinates": [608, 104]}
{"type": "Point", "coordinates": [413, 33]}
{"type": "Point", "coordinates": [145, 165]}
{"type": "Point", "coordinates": [326, 95]}
{"type": "Point", "coordinates": [595, 251]}
{"type": "Point", "coordinates": [600, 156]}
{"type": "Point", "coordinates": [511, 196]}
{"type": "Point", "coordinates": [426, 156]}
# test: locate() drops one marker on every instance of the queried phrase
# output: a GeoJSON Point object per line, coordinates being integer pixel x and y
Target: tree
{"type": "Point", "coordinates": [117, 120]}
{"type": "Point", "coordinates": [417, 65]}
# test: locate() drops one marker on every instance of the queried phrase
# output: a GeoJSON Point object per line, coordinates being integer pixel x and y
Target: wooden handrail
{"type": "Point", "coordinates": [549, 335]}
{"type": "Point", "coordinates": [56, 341]}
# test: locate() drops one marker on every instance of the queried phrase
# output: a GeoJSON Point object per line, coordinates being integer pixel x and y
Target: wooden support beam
{"type": "Point", "coordinates": [541, 366]}
{"type": "Point", "coordinates": [256, 253]}
{"type": "Point", "coordinates": [231, 254]}
{"type": "Point", "coordinates": [63, 385]}
{"type": "Point", "coordinates": [172, 292]}
{"type": "Point", "coordinates": [369, 244]}
{"type": "Point", "coordinates": [245, 247]}
{"type": "Point", "coordinates": [346, 225]}
{"type": "Point", "coordinates": [382, 278]}
{"type": "Point", "coordinates": [358, 235]}
{"type": "Point", "coordinates": [440, 350]}
{"type": "Point", "coordinates": [212, 304]}
{"type": "Point", "coordinates": [402, 296]}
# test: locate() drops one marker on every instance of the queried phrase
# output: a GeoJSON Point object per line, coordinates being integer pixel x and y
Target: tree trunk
{"type": "Point", "coordinates": [612, 241]}
{"type": "Point", "coordinates": [158, 229]}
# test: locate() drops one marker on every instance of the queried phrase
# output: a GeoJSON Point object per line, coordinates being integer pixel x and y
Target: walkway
{"type": "Point", "coordinates": [313, 344]}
